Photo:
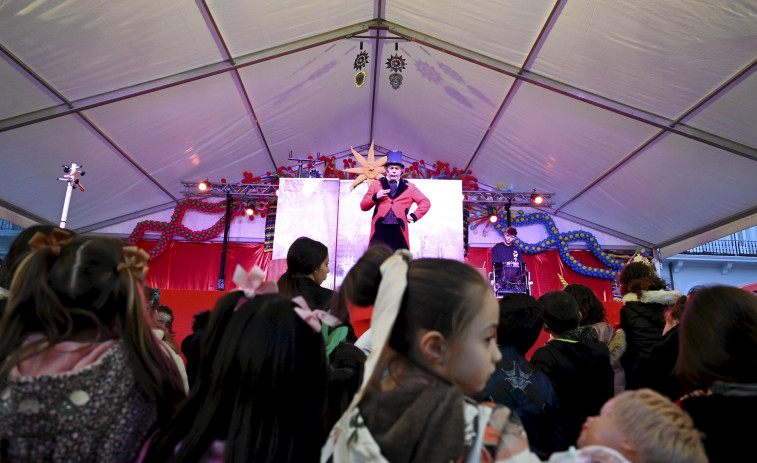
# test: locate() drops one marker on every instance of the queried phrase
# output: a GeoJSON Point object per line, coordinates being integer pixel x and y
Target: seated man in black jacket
{"type": "Point", "coordinates": [580, 371]}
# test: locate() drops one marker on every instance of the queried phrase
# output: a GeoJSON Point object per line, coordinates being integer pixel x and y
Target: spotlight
{"type": "Point", "coordinates": [537, 199]}
{"type": "Point", "coordinates": [249, 210]}
{"type": "Point", "coordinates": [492, 215]}
{"type": "Point", "coordinates": [204, 185]}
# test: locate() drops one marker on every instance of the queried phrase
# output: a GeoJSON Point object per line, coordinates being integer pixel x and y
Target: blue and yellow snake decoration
{"type": "Point", "coordinates": [558, 240]}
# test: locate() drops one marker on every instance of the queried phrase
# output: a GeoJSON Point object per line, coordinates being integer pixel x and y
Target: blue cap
{"type": "Point", "coordinates": [394, 157]}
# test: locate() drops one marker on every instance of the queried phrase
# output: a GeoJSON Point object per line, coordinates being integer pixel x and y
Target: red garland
{"type": "Point", "coordinates": [174, 227]}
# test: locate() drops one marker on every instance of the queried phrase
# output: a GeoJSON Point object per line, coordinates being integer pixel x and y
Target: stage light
{"type": "Point", "coordinates": [204, 185]}
{"type": "Point", "coordinates": [537, 199]}
{"type": "Point", "coordinates": [249, 210]}
{"type": "Point", "coordinates": [493, 218]}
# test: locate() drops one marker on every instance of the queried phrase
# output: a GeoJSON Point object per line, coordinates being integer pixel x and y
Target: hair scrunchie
{"type": "Point", "coordinates": [135, 260]}
{"type": "Point", "coordinates": [55, 240]}
{"type": "Point", "coordinates": [385, 310]}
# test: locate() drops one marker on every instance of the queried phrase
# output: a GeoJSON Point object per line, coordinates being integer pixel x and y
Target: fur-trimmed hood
{"type": "Point", "coordinates": [662, 296]}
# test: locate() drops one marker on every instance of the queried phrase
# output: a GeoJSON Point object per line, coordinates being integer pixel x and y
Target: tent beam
{"type": "Point", "coordinates": [496, 117]}
{"type": "Point", "coordinates": [34, 76]}
{"type": "Point", "coordinates": [374, 83]}
{"type": "Point", "coordinates": [183, 77]}
{"type": "Point", "coordinates": [215, 32]}
{"type": "Point", "coordinates": [575, 93]}
{"type": "Point", "coordinates": [124, 218]}
{"type": "Point", "coordinates": [613, 169]}
{"type": "Point", "coordinates": [15, 212]}
{"type": "Point", "coordinates": [738, 77]}
{"type": "Point", "coordinates": [543, 33]}
{"type": "Point", "coordinates": [603, 229]}
{"type": "Point", "coordinates": [728, 225]}
{"type": "Point", "coordinates": [125, 155]}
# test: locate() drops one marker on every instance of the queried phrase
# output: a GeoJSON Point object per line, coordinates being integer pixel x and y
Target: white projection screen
{"type": "Point", "coordinates": [327, 210]}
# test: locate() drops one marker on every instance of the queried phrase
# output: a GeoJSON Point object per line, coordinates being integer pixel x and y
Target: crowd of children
{"type": "Point", "coordinates": [276, 376]}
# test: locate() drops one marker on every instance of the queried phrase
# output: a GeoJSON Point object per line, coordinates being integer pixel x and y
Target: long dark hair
{"type": "Point", "coordinates": [718, 338]}
{"type": "Point", "coordinates": [261, 387]}
{"type": "Point", "coordinates": [592, 310]}
{"type": "Point", "coordinates": [88, 287]}
{"type": "Point", "coordinates": [362, 275]}
{"type": "Point", "coordinates": [304, 257]}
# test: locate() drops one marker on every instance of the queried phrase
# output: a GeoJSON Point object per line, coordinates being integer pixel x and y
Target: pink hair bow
{"type": "Point", "coordinates": [314, 317]}
{"type": "Point", "coordinates": [253, 283]}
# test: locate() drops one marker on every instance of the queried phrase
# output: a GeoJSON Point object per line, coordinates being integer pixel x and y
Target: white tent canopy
{"type": "Point", "coordinates": [640, 117]}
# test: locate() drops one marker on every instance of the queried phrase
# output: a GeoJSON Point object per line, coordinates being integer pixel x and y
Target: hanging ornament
{"type": "Point", "coordinates": [361, 61]}
{"type": "Point", "coordinates": [395, 80]}
{"type": "Point", "coordinates": [396, 63]}
{"type": "Point", "coordinates": [359, 79]}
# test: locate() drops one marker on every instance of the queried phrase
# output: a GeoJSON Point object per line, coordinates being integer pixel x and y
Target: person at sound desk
{"type": "Point", "coordinates": [508, 252]}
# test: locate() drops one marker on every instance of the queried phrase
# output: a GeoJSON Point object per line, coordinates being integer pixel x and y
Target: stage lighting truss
{"type": "Point", "coordinates": [502, 198]}
{"type": "Point", "coordinates": [241, 191]}
{"type": "Point", "coordinates": [250, 191]}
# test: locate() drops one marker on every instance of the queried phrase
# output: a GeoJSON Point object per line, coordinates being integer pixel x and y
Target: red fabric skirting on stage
{"type": "Point", "coordinates": [187, 273]}
{"type": "Point", "coordinates": [186, 265]}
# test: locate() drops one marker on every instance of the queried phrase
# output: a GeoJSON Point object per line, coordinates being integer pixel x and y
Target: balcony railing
{"type": "Point", "coordinates": [5, 225]}
{"type": "Point", "coordinates": [726, 248]}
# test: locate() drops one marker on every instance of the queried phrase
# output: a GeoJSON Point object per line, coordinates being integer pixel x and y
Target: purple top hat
{"type": "Point", "coordinates": [394, 157]}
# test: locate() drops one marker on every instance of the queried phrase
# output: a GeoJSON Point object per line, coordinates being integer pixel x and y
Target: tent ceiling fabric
{"type": "Point", "coordinates": [641, 117]}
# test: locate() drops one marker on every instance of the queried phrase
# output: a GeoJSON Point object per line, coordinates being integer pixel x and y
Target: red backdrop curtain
{"type": "Point", "coordinates": [195, 266]}
{"type": "Point", "coordinates": [546, 269]}
{"type": "Point", "coordinates": [187, 276]}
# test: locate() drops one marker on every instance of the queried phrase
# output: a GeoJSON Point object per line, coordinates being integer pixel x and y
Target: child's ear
{"type": "Point", "coordinates": [433, 348]}
{"type": "Point", "coordinates": [628, 449]}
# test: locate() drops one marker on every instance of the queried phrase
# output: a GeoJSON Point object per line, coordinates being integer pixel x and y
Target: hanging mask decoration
{"type": "Point", "coordinates": [361, 61]}
{"type": "Point", "coordinates": [395, 80]}
{"type": "Point", "coordinates": [396, 63]}
{"type": "Point", "coordinates": [359, 79]}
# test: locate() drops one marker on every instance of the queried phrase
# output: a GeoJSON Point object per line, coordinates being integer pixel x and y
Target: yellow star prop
{"type": "Point", "coordinates": [369, 169]}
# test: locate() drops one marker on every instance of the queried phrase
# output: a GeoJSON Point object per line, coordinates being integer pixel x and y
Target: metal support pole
{"type": "Point", "coordinates": [227, 224]}
{"type": "Point", "coordinates": [72, 181]}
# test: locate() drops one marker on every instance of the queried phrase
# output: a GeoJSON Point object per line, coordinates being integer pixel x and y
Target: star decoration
{"type": "Point", "coordinates": [396, 63]}
{"type": "Point", "coordinates": [369, 169]}
{"type": "Point", "coordinates": [361, 61]}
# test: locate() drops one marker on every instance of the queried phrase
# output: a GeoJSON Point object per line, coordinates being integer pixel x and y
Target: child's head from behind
{"type": "Point", "coordinates": [255, 360]}
{"type": "Point", "coordinates": [592, 310]}
{"type": "Point", "coordinates": [718, 338]}
{"type": "Point", "coordinates": [88, 288]}
{"type": "Point", "coordinates": [19, 249]}
{"type": "Point", "coordinates": [270, 348]}
{"type": "Point", "coordinates": [72, 286]}
{"type": "Point", "coordinates": [447, 321]}
{"type": "Point", "coordinates": [357, 287]}
{"type": "Point", "coordinates": [561, 311]}
{"type": "Point", "coordinates": [520, 321]}
{"type": "Point", "coordinates": [644, 426]}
